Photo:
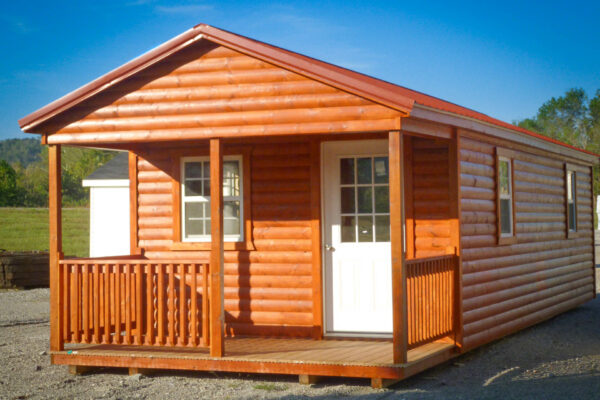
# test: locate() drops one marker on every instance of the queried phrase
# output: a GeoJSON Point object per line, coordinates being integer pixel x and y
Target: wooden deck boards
{"type": "Point", "coordinates": [360, 358]}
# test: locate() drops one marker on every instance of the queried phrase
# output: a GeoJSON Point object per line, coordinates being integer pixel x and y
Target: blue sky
{"type": "Point", "coordinates": [502, 59]}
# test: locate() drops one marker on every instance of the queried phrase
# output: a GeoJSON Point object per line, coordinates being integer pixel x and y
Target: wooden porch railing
{"type": "Point", "coordinates": [430, 297]}
{"type": "Point", "coordinates": [135, 301]}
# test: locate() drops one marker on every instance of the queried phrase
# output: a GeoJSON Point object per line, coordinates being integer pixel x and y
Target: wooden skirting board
{"type": "Point", "coordinates": [311, 358]}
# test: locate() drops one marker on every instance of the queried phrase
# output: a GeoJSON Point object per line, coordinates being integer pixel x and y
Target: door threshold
{"type": "Point", "coordinates": [358, 336]}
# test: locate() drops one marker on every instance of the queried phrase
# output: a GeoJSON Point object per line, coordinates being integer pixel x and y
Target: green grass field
{"type": "Point", "coordinates": [24, 229]}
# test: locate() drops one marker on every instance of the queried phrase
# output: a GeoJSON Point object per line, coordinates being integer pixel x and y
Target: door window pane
{"type": "Point", "coordinates": [382, 228]}
{"type": "Point", "coordinates": [381, 170]}
{"type": "Point", "coordinates": [348, 201]}
{"type": "Point", "coordinates": [363, 168]}
{"type": "Point", "coordinates": [365, 199]}
{"type": "Point", "coordinates": [347, 171]}
{"type": "Point", "coordinates": [365, 228]}
{"type": "Point", "coordinates": [348, 229]}
{"type": "Point", "coordinates": [382, 199]}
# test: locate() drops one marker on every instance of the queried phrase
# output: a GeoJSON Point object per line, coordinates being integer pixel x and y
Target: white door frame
{"type": "Point", "coordinates": [327, 332]}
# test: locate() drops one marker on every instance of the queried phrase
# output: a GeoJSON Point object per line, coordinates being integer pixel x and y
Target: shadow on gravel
{"type": "Point", "coordinates": [558, 359]}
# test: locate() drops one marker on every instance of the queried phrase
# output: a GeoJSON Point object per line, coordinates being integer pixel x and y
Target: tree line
{"type": "Point", "coordinates": [573, 118]}
{"type": "Point", "coordinates": [24, 173]}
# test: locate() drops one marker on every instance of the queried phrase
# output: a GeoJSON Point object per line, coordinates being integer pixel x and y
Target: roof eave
{"type": "Point", "coordinates": [539, 141]}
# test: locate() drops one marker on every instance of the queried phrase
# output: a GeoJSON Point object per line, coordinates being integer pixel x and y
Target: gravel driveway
{"type": "Point", "coordinates": [559, 359]}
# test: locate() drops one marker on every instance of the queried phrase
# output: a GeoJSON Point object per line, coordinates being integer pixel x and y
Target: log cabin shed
{"type": "Point", "coordinates": [291, 216]}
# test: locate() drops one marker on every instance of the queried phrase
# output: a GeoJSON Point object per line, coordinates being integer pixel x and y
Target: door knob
{"type": "Point", "coordinates": [329, 247]}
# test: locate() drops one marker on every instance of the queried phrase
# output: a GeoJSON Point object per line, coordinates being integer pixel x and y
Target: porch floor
{"type": "Point", "coordinates": [329, 357]}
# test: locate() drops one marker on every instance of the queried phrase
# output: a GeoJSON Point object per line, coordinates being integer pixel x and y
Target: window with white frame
{"type": "Point", "coordinates": [505, 196]}
{"type": "Point", "coordinates": [571, 200]}
{"type": "Point", "coordinates": [195, 199]}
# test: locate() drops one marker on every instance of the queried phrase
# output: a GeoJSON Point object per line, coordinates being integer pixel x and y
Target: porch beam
{"type": "Point", "coordinates": [217, 314]}
{"type": "Point", "coordinates": [55, 247]}
{"type": "Point", "coordinates": [400, 319]}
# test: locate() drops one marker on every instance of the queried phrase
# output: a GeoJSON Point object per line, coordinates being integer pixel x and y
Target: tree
{"type": "Point", "coordinates": [573, 119]}
{"type": "Point", "coordinates": [8, 184]}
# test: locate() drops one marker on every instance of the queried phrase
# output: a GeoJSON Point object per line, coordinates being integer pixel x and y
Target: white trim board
{"type": "Point", "coordinates": [105, 183]}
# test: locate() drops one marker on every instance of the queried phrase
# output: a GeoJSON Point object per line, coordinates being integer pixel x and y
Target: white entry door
{"type": "Point", "coordinates": [358, 285]}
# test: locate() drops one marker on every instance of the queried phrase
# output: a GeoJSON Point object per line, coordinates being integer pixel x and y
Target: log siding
{"type": "Point", "coordinates": [208, 91]}
{"type": "Point", "coordinates": [429, 198]}
{"type": "Point", "coordinates": [543, 273]}
{"type": "Point", "coordinates": [269, 290]}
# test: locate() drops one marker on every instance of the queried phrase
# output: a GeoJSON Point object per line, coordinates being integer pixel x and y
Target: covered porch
{"type": "Point", "coordinates": [140, 312]}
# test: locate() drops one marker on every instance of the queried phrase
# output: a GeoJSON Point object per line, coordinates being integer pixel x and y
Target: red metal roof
{"type": "Point", "coordinates": [379, 91]}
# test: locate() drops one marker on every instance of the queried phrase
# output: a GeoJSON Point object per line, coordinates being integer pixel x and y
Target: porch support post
{"type": "Point", "coordinates": [55, 223]}
{"type": "Point", "coordinates": [400, 320]}
{"type": "Point", "coordinates": [217, 314]}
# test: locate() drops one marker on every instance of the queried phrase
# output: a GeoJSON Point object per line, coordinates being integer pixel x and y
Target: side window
{"type": "Point", "coordinates": [195, 199]}
{"type": "Point", "coordinates": [571, 200]}
{"type": "Point", "coordinates": [505, 198]}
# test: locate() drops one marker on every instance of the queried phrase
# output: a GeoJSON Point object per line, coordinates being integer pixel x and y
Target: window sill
{"type": "Point", "coordinates": [572, 234]}
{"type": "Point", "coordinates": [506, 240]}
{"type": "Point", "coordinates": [200, 246]}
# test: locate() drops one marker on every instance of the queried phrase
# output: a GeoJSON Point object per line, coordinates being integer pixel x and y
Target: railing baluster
{"type": "Point", "coordinates": [106, 304]}
{"type": "Point", "coordinates": [66, 316]}
{"type": "Point", "coordinates": [127, 271]}
{"type": "Point", "coordinates": [194, 306]}
{"type": "Point", "coordinates": [96, 294]}
{"type": "Point", "coordinates": [149, 316]}
{"type": "Point", "coordinates": [205, 305]}
{"type": "Point", "coordinates": [161, 304]}
{"type": "Point", "coordinates": [171, 307]}
{"type": "Point", "coordinates": [138, 304]}
{"type": "Point", "coordinates": [182, 304]}
{"type": "Point", "coordinates": [78, 308]}
{"type": "Point", "coordinates": [86, 303]}
{"type": "Point", "coordinates": [118, 327]}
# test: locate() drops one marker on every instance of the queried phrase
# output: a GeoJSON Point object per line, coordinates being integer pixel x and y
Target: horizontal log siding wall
{"type": "Point", "coordinates": [267, 291]}
{"type": "Point", "coordinates": [506, 288]}
{"type": "Point", "coordinates": [203, 93]}
{"type": "Point", "coordinates": [431, 198]}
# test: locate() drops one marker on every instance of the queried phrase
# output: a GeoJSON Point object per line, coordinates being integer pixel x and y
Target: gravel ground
{"type": "Point", "coordinates": [554, 360]}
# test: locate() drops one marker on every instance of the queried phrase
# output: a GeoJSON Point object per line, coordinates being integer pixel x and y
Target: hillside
{"type": "Point", "coordinates": [22, 151]}
{"type": "Point", "coordinates": [24, 180]}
